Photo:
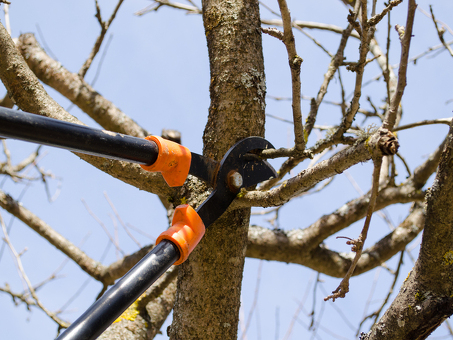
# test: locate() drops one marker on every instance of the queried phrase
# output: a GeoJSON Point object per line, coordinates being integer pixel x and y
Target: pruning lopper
{"type": "Point", "coordinates": [239, 168]}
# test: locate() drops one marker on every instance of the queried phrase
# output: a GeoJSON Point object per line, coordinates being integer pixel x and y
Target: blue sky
{"type": "Point", "coordinates": [156, 70]}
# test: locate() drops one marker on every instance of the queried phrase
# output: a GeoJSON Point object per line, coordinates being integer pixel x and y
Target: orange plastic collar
{"type": "Point", "coordinates": [173, 161]}
{"type": "Point", "coordinates": [186, 231]}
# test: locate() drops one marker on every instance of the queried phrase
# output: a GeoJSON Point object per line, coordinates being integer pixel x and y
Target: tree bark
{"type": "Point", "coordinates": [209, 282]}
{"type": "Point", "coordinates": [426, 297]}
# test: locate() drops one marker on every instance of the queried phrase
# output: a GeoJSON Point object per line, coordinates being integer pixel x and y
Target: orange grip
{"type": "Point", "coordinates": [185, 232]}
{"type": "Point", "coordinates": [173, 161]}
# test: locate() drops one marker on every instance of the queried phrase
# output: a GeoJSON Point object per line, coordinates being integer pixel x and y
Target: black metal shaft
{"type": "Point", "coordinates": [120, 296]}
{"type": "Point", "coordinates": [42, 130]}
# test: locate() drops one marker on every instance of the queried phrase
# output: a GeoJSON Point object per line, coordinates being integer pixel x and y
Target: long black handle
{"type": "Point", "coordinates": [120, 296]}
{"type": "Point", "coordinates": [42, 130]}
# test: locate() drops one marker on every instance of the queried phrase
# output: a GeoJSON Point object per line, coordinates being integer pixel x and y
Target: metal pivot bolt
{"type": "Point", "coordinates": [234, 180]}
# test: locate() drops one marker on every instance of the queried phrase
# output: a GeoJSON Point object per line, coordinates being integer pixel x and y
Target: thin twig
{"type": "Point", "coordinates": [24, 276]}
{"type": "Point", "coordinates": [331, 70]}
{"type": "Point", "coordinates": [377, 313]}
{"type": "Point", "coordinates": [316, 42]}
{"type": "Point", "coordinates": [365, 38]}
{"type": "Point", "coordinates": [84, 284]}
{"type": "Point", "coordinates": [101, 61]}
{"type": "Point", "coordinates": [103, 227]}
{"type": "Point", "coordinates": [112, 206]}
{"type": "Point", "coordinates": [440, 32]}
{"type": "Point", "coordinates": [97, 45]}
{"type": "Point", "coordinates": [375, 19]}
{"type": "Point", "coordinates": [429, 16]}
{"type": "Point", "coordinates": [445, 121]}
{"type": "Point", "coordinates": [159, 3]}
{"type": "Point", "coordinates": [294, 63]}
{"type": "Point", "coordinates": [44, 43]}
{"type": "Point", "coordinates": [25, 298]}
{"type": "Point", "coordinates": [357, 244]}
{"type": "Point", "coordinates": [391, 115]}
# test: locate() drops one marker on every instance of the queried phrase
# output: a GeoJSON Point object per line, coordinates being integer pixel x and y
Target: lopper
{"type": "Point", "coordinates": [239, 168]}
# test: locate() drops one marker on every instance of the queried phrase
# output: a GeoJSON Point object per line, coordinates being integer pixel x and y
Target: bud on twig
{"type": "Point", "coordinates": [401, 30]}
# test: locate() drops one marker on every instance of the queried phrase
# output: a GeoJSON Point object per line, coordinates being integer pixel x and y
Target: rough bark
{"type": "Point", "coordinates": [425, 299]}
{"type": "Point", "coordinates": [209, 283]}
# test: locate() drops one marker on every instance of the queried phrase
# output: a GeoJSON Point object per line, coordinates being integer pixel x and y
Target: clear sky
{"type": "Point", "coordinates": [156, 70]}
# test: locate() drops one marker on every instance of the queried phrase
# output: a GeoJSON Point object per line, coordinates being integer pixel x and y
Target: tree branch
{"type": "Point", "coordinates": [91, 267]}
{"type": "Point", "coordinates": [445, 121]}
{"type": "Point", "coordinates": [378, 17]}
{"type": "Point", "coordinates": [294, 63]}
{"type": "Point", "coordinates": [440, 32]}
{"type": "Point", "coordinates": [391, 115]}
{"type": "Point", "coordinates": [360, 152]}
{"type": "Point", "coordinates": [296, 246]}
{"type": "Point", "coordinates": [290, 247]}
{"type": "Point", "coordinates": [30, 96]}
{"type": "Point", "coordinates": [30, 288]}
{"type": "Point", "coordinates": [77, 90]}
{"type": "Point", "coordinates": [425, 298]}
{"type": "Point", "coordinates": [357, 244]}
{"type": "Point", "coordinates": [97, 45]}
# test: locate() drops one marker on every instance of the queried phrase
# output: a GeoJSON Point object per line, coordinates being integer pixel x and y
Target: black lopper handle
{"type": "Point", "coordinates": [42, 130]}
{"type": "Point", "coordinates": [119, 297]}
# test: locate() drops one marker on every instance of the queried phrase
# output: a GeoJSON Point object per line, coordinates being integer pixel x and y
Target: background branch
{"type": "Point", "coordinates": [97, 45]}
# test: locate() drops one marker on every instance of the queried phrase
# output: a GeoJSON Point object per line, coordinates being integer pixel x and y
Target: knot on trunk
{"type": "Point", "coordinates": [388, 143]}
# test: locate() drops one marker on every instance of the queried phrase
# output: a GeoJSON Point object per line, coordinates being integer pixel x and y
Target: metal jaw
{"type": "Point", "coordinates": [238, 169]}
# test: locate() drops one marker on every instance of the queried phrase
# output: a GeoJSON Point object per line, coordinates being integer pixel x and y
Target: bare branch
{"type": "Point", "coordinates": [390, 118]}
{"type": "Point", "coordinates": [296, 246]}
{"type": "Point", "coordinates": [430, 16]}
{"type": "Point", "coordinates": [91, 267]}
{"type": "Point", "coordinates": [25, 298]}
{"type": "Point", "coordinates": [428, 287]}
{"type": "Point", "coordinates": [118, 217]}
{"type": "Point", "coordinates": [104, 27]}
{"type": "Point", "coordinates": [378, 17]}
{"type": "Point", "coordinates": [77, 90]}
{"type": "Point", "coordinates": [365, 37]}
{"type": "Point", "coordinates": [341, 161]}
{"type": "Point", "coordinates": [440, 32]}
{"type": "Point", "coordinates": [378, 312]}
{"type": "Point", "coordinates": [294, 63]}
{"type": "Point", "coordinates": [159, 3]}
{"type": "Point", "coordinates": [272, 31]}
{"type": "Point", "coordinates": [30, 96]}
{"type": "Point", "coordinates": [445, 121]}
{"type": "Point", "coordinates": [32, 291]}
{"type": "Point", "coordinates": [357, 244]}
{"type": "Point", "coordinates": [103, 227]}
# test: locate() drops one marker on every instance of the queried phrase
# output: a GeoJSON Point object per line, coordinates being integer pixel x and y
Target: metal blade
{"type": "Point", "coordinates": [204, 168]}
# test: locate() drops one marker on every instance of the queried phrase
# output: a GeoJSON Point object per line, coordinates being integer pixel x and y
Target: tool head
{"type": "Point", "coordinates": [239, 168]}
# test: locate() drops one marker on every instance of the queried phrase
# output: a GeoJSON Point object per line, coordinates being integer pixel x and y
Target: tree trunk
{"type": "Point", "coordinates": [209, 282]}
